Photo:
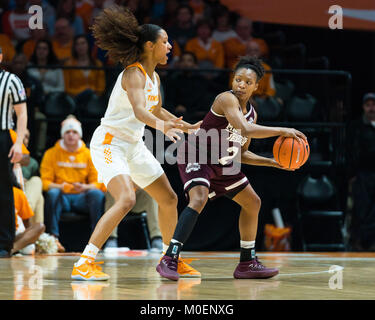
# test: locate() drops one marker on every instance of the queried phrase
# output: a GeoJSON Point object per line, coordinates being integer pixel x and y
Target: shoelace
{"type": "Point", "coordinates": [258, 263]}
{"type": "Point", "coordinates": [184, 263]}
{"type": "Point", "coordinates": [94, 264]}
{"type": "Point", "coordinates": [172, 264]}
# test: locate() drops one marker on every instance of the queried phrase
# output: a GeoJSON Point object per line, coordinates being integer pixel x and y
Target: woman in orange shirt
{"type": "Point", "coordinates": [205, 47]}
{"type": "Point", "coordinates": [82, 84]}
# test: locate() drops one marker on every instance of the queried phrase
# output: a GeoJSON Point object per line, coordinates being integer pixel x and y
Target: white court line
{"type": "Point", "coordinates": [338, 268]}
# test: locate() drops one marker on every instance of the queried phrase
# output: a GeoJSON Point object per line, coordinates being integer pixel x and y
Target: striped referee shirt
{"type": "Point", "coordinates": [12, 92]}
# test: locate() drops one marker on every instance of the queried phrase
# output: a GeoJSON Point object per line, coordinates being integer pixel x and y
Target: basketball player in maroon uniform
{"type": "Point", "coordinates": [234, 118]}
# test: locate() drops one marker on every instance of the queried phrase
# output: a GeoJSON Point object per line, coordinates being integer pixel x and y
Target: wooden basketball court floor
{"type": "Point", "coordinates": [307, 276]}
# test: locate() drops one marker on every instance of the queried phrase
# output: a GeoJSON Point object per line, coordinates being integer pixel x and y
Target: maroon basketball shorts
{"type": "Point", "coordinates": [214, 177]}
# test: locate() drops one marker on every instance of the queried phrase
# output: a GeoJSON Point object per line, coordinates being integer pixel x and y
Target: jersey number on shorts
{"type": "Point", "coordinates": [225, 160]}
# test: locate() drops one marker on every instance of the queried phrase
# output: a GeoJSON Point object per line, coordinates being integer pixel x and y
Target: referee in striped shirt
{"type": "Point", "coordinates": [12, 99]}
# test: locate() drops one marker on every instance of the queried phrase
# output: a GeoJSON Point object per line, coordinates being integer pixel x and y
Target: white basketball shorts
{"type": "Point", "coordinates": [112, 157]}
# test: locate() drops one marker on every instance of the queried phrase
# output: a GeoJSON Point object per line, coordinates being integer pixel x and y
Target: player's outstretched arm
{"type": "Point", "coordinates": [165, 115]}
{"type": "Point", "coordinates": [250, 158]}
{"type": "Point", "coordinates": [133, 81]}
{"type": "Point", "coordinates": [228, 105]}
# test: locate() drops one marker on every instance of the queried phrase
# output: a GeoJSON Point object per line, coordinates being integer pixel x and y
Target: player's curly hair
{"type": "Point", "coordinates": [117, 30]}
{"type": "Point", "coordinates": [252, 63]}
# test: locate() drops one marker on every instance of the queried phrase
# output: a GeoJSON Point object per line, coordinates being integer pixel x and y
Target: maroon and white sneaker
{"type": "Point", "coordinates": [167, 268]}
{"type": "Point", "coordinates": [253, 269]}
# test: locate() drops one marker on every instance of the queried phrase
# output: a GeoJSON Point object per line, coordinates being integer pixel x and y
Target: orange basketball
{"type": "Point", "coordinates": [290, 153]}
{"type": "Point", "coordinates": [306, 152]}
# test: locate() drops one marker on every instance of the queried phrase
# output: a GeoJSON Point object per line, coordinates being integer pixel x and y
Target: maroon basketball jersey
{"type": "Point", "coordinates": [217, 139]}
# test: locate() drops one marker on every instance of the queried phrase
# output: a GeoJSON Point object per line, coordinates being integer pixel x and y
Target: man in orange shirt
{"type": "Point", "coordinates": [205, 47]}
{"type": "Point", "coordinates": [266, 86]}
{"type": "Point", "coordinates": [236, 47]}
{"type": "Point", "coordinates": [70, 178]}
{"type": "Point", "coordinates": [63, 39]}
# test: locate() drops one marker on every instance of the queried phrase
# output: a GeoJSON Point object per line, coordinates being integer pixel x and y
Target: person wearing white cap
{"type": "Point", "coordinates": [70, 178]}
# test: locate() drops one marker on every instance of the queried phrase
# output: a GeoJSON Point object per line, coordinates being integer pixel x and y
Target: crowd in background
{"type": "Point", "coordinates": [204, 35]}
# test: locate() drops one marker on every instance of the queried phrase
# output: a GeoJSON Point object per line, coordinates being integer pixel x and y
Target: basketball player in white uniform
{"type": "Point", "coordinates": [117, 149]}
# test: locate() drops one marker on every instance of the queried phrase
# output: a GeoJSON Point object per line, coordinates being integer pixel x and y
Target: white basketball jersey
{"type": "Point", "coordinates": [119, 118]}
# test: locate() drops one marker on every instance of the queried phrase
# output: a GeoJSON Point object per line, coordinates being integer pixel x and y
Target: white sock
{"type": "Point", "coordinates": [90, 252]}
{"type": "Point", "coordinates": [247, 244]}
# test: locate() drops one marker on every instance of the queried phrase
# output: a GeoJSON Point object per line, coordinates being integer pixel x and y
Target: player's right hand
{"type": "Point", "coordinates": [172, 129]}
{"type": "Point", "coordinates": [275, 164]}
{"type": "Point", "coordinates": [293, 133]}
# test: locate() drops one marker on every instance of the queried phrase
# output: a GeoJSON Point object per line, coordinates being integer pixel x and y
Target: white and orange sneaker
{"type": "Point", "coordinates": [185, 270]}
{"type": "Point", "coordinates": [90, 271]}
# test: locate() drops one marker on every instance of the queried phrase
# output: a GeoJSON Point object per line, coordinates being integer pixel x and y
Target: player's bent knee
{"type": "Point", "coordinates": [170, 199]}
{"type": "Point", "coordinates": [198, 201]}
{"type": "Point", "coordinates": [126, 204]}
{"type": "Point", "coordinates": [257, 201]}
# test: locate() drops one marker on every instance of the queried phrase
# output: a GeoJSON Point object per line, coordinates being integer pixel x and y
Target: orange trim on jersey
{"type": "Point", "coordinates": [108, 138]}
{"type": "Point", "coordinates": [138, 65]}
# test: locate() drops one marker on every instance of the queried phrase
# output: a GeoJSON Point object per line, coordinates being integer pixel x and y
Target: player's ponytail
{"type": "Point", "coordinates": [252, 63]}
{"type": "Point", "coordinates": [117, 30]}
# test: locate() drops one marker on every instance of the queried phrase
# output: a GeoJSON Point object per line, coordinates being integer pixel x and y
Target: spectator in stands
{"type": "Point", "coordinates": [52, 80]}
{"type": "Point", "coordinates": [34, 92]}
{"type": "Point", "coordinates": [16, 22]}
{"type": "Point", "coordinates": [158, 11]}
{"type": "Point", "coordinates": [8, 50]}
{"type": "Point", "coordinates": [144, 203]}
{"type": "Point", "coordinates": [49, 13]}
{"type": "Point", "coordinates": [209, 52]}
{"type": "Point", "coordinates": [198, 7]}
{"type": "Point", "coordinates": [36, 35]}
{"type": "Point", "coordinates": [33, 185]}
{"type": "Point", "coordinates": [187, 93]}
{"type": "Point", "coordinates": [88, 11]}
{"type": "Point", "coordinates": [84, 10]}
{"type": "Point", "coordinates": [361, 165]}
{"type": "Point", "coordinates": [266, 86]}
{"type": "Point", "coordinates": [27, 233]}
{"type": "Point", "coordinates": [83, 83]}
{"type": "Point", "coordinates": [183, 30]}
{"type": "Point", "coordinates": [169, 17]}
{"type": "Point", "coordinates": [97, 8]}
{"type": "Point", "coordinates": [67, 9]}
{"type": "Point", "coordinates": [70, 179]}
{"type": "Point", "coordinates": [236, 46]}
{"type": "Point", "coordinates": [223, 30]}
{"type": "Point", "coordinates": [63, 39]}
